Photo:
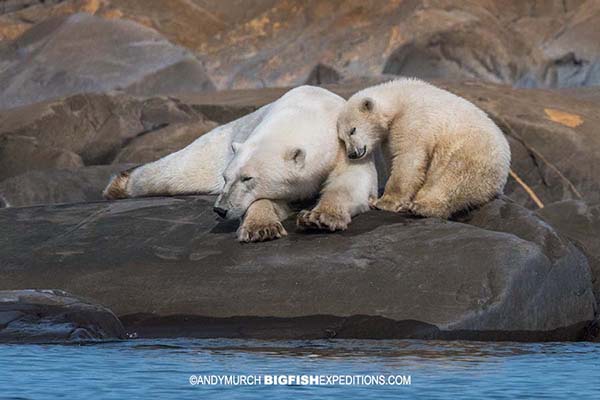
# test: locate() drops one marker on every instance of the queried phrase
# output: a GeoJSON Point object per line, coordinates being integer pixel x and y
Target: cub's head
{"type": "Point", "coordinates": [360, 126]}
{"type": "Point", "coordinates": [269, 171]}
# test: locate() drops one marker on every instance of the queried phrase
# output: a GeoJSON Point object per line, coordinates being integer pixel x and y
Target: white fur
{"type": "Point", "coordinates": [303, 120]}
{"type": "Point", "coordinates": [445, 153]}
{"type": "Point", "coordinates": [198, 168]}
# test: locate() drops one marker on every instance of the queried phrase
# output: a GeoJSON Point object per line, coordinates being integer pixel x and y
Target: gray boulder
{"type": "Point", "coordinates": [84, 129]}
{"type": "Point", "coordinates": [41, 316]}
{"type": "Point", "coordinates": [57, 186]}
{"type": "Point", "coordinates": [19, 154]}
{"type": "Point", "coordinates": [82, 53]}
{"type": "Point", "coordinates": [169, 267]}
{"type": "Point", "coordinates": [579, 222]}
{"type": "Point", "coordinates": [161, 142]}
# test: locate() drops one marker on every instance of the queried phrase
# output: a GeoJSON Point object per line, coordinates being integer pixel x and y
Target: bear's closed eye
{"type": "Point", "coordinates": [352, 131]}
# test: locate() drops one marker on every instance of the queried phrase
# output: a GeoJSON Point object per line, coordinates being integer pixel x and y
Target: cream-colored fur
{"type": "Point", "coordinates": [290, 151]}
{"type": "Point", "coordinates": [445, 154]}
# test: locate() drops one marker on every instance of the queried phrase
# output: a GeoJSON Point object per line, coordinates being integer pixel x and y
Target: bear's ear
{"type": "Point", "coordinates": [235, 147]}
{"type": "Point", "coordinates": [366, 105]}
{"type": "Point", "coordinates": [296, 155]}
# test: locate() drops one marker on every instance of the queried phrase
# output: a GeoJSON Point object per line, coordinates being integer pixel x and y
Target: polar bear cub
{"type": "Point", "coordinates": [444, 153]}
{"type": "Point", "coordinates": [284, 152]}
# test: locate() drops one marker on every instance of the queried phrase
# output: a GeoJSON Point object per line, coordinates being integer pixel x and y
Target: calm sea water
{"type": "Point", "coordinates": [162, 369]}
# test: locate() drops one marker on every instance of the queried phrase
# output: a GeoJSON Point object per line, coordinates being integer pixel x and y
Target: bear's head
{"type": "Point", "coordinates": [360, 126]}
{"type": "Point", "coordinates": [271, 171]}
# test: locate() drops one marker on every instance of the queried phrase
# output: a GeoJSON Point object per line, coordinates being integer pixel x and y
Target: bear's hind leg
{"type": "Point", "coordinates": [444, 190]}
{"type": "Point", "coordinates": [262, 221]}
{"type": "Point", "coordinates": [407, 175]}
{"type": "Point", "coordinates": [431, 202]}
{"type": "Point", "coordinates": [453, 183]}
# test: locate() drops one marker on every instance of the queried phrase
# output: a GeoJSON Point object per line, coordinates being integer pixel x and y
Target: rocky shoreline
{"type": "Point", "coordinates": [167, 267]}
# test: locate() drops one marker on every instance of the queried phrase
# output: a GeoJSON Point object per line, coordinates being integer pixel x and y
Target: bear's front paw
{"type": "Point", "coordinates": [372, 202]}
{"type": "Point", "coordinates": [260, 231]}
{"type": "Point", "coordinates": [390, 203]}
{"type": "Point", "coordinates": [323, 219]}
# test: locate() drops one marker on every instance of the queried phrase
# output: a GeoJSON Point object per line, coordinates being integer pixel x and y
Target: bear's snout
{"type": "Point", "coordinates": [355, 154]}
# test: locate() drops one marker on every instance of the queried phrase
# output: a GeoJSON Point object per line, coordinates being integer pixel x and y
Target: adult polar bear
{"type": "Point", "coordinates": [286, 151]}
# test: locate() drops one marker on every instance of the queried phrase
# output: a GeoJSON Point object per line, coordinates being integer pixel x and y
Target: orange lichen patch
{"type": "Point", "coordinates": [564, 118]}
{"type": "Point", "coordinates": [143, 20]}
{"type": "Point", "coordinates": [258, 25]}
{"type": "Point", "coordinates": [12, 31]}
{"type": "Point", "coordinates": [114, 13]}
{"type": "Point", "coordinates": [90, 6]}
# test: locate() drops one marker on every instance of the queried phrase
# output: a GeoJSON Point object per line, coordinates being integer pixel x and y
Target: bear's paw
{"type": "Point", "coordinates": [117, 187]}
{"type": "Point", "coordinates": [255, 231]}
{"type": "Point", "coordinates": [323, 219]}
{"type": "Point", "coordinates": [390, 203]}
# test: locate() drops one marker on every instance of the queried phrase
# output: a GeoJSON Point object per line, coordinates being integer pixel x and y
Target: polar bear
{"type": "Point", "coordinates": [284, 152]}
{"type": "Point", "coordinates": [444, 153]}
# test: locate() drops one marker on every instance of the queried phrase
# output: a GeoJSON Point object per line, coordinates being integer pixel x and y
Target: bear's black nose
{"type": "Point", "coordinates": [221, 211]}
{"type": "Point", "coordinates": [355, 154]}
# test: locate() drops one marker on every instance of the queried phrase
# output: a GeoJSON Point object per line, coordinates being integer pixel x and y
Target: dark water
{"type": "Point", "coordinates": [162, 369]}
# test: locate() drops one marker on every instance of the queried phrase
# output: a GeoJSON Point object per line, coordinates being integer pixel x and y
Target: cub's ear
{"type": "Point", "coordinates": [235, 147]}
{"type": "Point", "coordinates": [296, 155]}
{"type": "Point", "coordinates": [366, 105]}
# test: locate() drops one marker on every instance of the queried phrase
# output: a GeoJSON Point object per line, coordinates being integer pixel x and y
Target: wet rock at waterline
{"type": "Point", "coordinates": [43, 316]}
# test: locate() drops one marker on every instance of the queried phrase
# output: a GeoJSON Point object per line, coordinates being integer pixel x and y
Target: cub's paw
{"type": "Point", "coordinates": [372, 201]}
{"type": "Point", "coordinates": [323, 219]}
{"type": "Point", "coordinates": [260, 231]}
{"type": "Point", "coordinates": [431, 209]}
{"type": "Point", "coordinates": [389, 203]}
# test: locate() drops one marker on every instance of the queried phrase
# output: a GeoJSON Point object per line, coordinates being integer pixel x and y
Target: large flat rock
{"type": "Point", "coordinates": [169, 267]}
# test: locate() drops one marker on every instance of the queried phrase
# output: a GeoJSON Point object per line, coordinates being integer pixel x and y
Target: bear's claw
{"type": "Point", "coordinates": [388, 203]}
{"type": "Point", "coordinates": [260, 232]}
{"type": "Point", "coordinates": [323, 220]}
{"type": "Point", "coordinates": [433, 209]}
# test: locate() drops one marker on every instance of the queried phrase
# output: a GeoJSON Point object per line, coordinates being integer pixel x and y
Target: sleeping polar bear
{"type": "Point", "coordinates": [286, 151]}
